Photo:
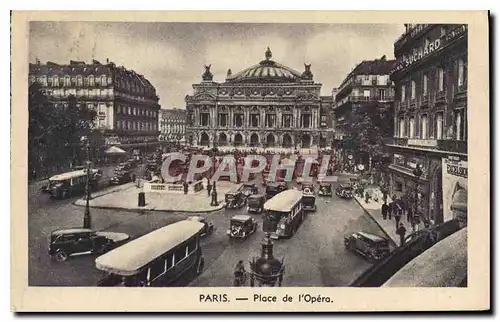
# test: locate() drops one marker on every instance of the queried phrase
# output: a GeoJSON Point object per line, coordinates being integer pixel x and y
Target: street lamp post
{"type": "Point", "coordinates": [87, 220]}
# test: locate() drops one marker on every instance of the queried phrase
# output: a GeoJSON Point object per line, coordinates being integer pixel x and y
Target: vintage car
{"type": "Point", "coordinates": [123, 166]}
{"type": "Point", "coordinates": [235, 199]}
{"type": "Point", "coordinates": [307, 188]}
{"type": "Point", "coordinates": [344, 191]}
{"type": "Point", "coordinates": [121, 177]}
{"type": "Point", "coordinates": [325, 189]}
{"type": "Point", "coordinates": [255, 203]}
{"type": "Point", "coordinates": [308, 201]}
{"type": "Point", "coordinates": [132, 162]}
{"type": "Point", "coordinates": [249, 188]}
{"type": "Point", "coordinates": [208, 226]}
{"type": "Point", "coordinates": [273, 188]}
{"type": "Point", "coordinates": [241, 226]}
{"type": "Point", "coordinates": [372, 247]}
{"type": "Point", "coordinates": [81, 241]}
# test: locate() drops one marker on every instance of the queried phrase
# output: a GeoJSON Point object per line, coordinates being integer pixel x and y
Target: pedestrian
{"type": "Point", "coordinates": [401, 231]}
{"type": "Point", "coordinates": [185, 186]}
{"type": "Point", "coordinates": [367, 197]}
{"type": "Point", "coordinates": [385, 210]}
{"type": "Point", "coordinates": [398, 214]}
{"type": "Point", "coordinates": [209, 187]}
{"type": "Point", "coordinates": [384, 195]}
{"type": "Point", "coordinates": [409, 214]}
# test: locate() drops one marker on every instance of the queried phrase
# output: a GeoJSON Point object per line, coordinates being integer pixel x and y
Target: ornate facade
{"type": "Point", "coordinates": [265, 105]}
{"type": "Point", "coordinates": [126, 103]}
{"type": "Point", "coordinates": [172, 125]}
{"type": "Point", "coordinates": [430, 121]}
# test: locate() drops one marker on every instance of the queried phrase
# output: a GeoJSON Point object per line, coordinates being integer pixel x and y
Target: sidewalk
{"type": "Point", "coordinates": [126, 197]}
{"type": "Point", "coordinates": [373, 208]}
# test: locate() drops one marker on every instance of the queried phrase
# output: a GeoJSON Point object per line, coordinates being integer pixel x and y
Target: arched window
{"type": "Point", "coordinates": [91, 80]}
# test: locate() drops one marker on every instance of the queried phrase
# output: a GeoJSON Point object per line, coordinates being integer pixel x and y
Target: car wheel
{"type": "Point", "coordinates": [105, 248]}
{"type": "Point", "coordinates": [347, 245]}
{"type": "Point", "coordinates": [61, 256]}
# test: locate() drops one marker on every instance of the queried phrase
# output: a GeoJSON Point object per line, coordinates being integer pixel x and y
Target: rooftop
{"type": "Point", "coordinates": [267, 71]}
{"type": "Point", "coordinates": [380, 66]}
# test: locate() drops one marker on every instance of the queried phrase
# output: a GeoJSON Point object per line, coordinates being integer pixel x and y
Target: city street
{"type": "Point", "coordinates": [315, 256]}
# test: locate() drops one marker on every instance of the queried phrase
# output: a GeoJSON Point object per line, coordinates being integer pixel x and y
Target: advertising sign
{"type": "Point", "coordinates": [454, 184]}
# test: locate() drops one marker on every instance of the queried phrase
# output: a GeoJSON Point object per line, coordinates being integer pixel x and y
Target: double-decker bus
{"type": "Point", "coordinates": [283, 211]}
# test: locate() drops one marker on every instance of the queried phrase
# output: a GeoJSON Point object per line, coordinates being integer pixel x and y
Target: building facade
{"type": "Point", "coordinates": [430, 123]}
{"type": "Point", "coordinates": [368, 84]}
{"type": "Point", "coordinates": [126, 103]}
{"type": "Point", "coordinates": [265, 105]}
{"type": "Point", "coordinates": [172, 124]}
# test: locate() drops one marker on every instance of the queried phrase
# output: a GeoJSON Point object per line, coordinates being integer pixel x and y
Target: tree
{"type": "Point", "coordinates": [370, 123]}
{"type": "Point", "coordinates": [54, 132]}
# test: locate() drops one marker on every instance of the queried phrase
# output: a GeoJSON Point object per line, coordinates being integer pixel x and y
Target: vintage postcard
{"type": "Point", "coordinates": [250, 161]}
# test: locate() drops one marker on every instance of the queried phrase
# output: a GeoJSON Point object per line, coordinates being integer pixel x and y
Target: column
{"type": "Point", "coordinates": [278, 118]}
{"type": "Point", "coordinates": [262, 117]}
{"type": "Point", "coordinates": [231, 115]}
{"type": "Point", "coordinates": [299, 116]}
{"type": "Point", "coordinates": [246, 118]}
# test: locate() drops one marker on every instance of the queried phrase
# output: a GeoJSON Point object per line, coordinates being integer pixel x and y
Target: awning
{"type": "Point", "coordinates": [114, 150]}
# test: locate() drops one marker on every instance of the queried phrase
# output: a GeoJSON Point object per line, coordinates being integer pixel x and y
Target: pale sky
{"type": "Point", "coordinates": [171, 55]}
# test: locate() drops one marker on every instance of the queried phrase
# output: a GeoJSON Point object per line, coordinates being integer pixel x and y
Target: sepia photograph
{"type": "Point", "coordinates": [323, 157]}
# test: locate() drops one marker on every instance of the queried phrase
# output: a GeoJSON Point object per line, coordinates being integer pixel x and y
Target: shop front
{"type": "Point", "coordinates": [438, 191]}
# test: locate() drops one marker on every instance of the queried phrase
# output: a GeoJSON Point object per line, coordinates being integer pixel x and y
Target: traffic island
{"type": "Point", "coordinates": [127, 199]}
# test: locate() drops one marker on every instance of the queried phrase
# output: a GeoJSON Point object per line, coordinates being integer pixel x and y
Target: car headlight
{"type": "Point", "coordinates": [282, 226]}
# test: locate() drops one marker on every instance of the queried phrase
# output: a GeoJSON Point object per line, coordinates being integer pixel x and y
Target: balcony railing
{"type": "Point", "coordinates": [424, 100]}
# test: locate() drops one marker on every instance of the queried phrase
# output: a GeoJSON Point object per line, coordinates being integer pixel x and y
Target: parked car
{"type": "Point", "coordinates": [235, 199]}
{"type": "Point", "coordinates": [273, 188]}
{"type": "Point", "coordinates": [123, 166]}
{"type": "Point", "coordinates": [80, 241]}
{"type": "Point", "coordinates": [308, 201]}
{"type": "Point", "coordinates": [241, 226]}
{"type": "Point", "coordinates": [249, 188]}
{"type": "Point", "coordinates": [372, 247]}
{"type": "Point", "coordinates": [325, 189]}
{"type": "Point", "coordinates": [255, 203]}
{"type": "Point", "coordinates": [308, 188]}
{"type": "Point", "coordinates": [121, 177]}
{"type": "Point", "coordinates": [344, 191]}
{"type": "Point", "coordinates": [208, 226]}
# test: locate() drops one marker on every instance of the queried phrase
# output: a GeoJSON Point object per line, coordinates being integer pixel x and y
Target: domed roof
{"type": "Point", "coordinates": [267, 71]}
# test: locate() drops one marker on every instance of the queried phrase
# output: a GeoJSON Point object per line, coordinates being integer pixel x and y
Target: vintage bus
{"type": "Point", "coordinates": [72, 183]}
{"type": "Point", "coordinates": [159, 258]}
{"type": "Point", "coordinates": [283, 211]}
